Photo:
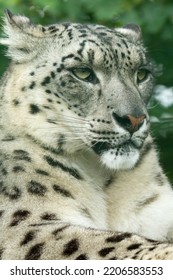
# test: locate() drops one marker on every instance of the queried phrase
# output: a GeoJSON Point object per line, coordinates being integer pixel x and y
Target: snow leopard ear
{"type": "Point", "coordinates": [21, 37]}
{"type": "Point", "coordinates": [132, 31]}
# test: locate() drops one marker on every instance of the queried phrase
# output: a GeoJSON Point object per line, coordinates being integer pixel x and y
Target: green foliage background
{"type": "Point", "coordinates": [156, 20]}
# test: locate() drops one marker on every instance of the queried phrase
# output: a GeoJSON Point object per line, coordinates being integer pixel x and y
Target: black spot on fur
{"type": "Point", "coordinates": [3, 171]}
{"type": "Point", "coordinates": [136, 255]}
{"type": "Point", "coordinates": [24, 50]}
{"type": "Point", "coordinates": [42, 224]}
{"type": "Point", "coordinates": [21, 155]}
{"type": "Point", "coordinates": [18, 169]}
{"type": "Point", "coordinates": [63, 84]}
{"type": "Point", "coordinates": [159, 178]}
{"type": "Point", "coordinates": [13, 193]}
{"type": "Point", "coordinates": [52, 75]}
{"type": "Point", "coordinates": [23, 89]}
{"type": "Point", "coordinates": [55, 163]}
{"type": "Point", "coordinates": [48, 216]}
{"type": "Point", "coordinates": [67, 57]}
{"type": "Point", "coordinates": [8, 138]}
{"type": "Point", "coordinates": [42, 172]}
{"type": "Point", "coordinates": [105, 251]}
{"type": "Point", "coordinates": [34, 109]}
{"type": "Point", "coordinates": [61, 141]}
{"type": "Point", "coordinates": [1, 213]}
{"type": "Point", "coordinates": [152, 241]}
{"type": "Point", "coordinates": [19, 216]}
{"type": "Point", "coordinates": [60, 68]}
{"type": "Point", "coordinates": [47, 107]}
{"type": "Point", "coordinates": [62, 191]}
{"type": "Point", "coordinates": [48, 91]}
{"type": "Point", "coordinates": [109, 182]}
{"type": "Point", "coordinates": [147, 201]}
{"type": "Point", "coordinates": [58, 230]}
{"type": "Point", "coordinates": [147, 148]}
{"type": "Point", "coordinates": [51, 121]}
{"type": "Point", "coordinates": [1, 252]}
{"type": "Point", "coordinates": [46, 81]}
{"type": "Point", "coordinates": [36, 188]}
{"type": "Point", "coordinates": [71, 247]}
{"type": "Point", "coordinates": [134, 246]}
{"type": "Point", "coordinates": [28, 237]}
{"type": "Point", "coordinates": [32, 85]}
{"type": "Point", "coordinates": [35, 252]}
{"type": "Point", "coordinates": [118, 238]}
{"type": "Point", "coordinates": [82, 257]}
{"type": "Point", "coordinates": [53, 28]}
{"type": "Point", "coordinates": [123, 55]}
{"type": "Point", "coordinates": [21, 152]}
{"type": "Point", "coordinates": [2, 188]}
{"type": "Point", "coordinates": [16, 102]}
{"type": "Point", "coordinates": [152, 248]}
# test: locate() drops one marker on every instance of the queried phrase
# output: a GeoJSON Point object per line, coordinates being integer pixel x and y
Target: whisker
{"type": "Point", "coordinates": [62, 122]}
{"type": "Point", "coordinates": [58, 128]}
{"type": "Point", "coordinates": [67, 117]}
{"type": "Point", "coordinates": [71, 138]}
{"type": "Point", "coordinates": [75, 118]}
{"type": "Point", "coordinates": [154, 106]}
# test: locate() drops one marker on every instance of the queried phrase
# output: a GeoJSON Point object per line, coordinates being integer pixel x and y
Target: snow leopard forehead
{"type": "Point", "coordinates": [26, 40]}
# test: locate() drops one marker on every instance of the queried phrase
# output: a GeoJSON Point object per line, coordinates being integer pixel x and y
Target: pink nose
{"type": "Point", "coordinates": [129, 122]}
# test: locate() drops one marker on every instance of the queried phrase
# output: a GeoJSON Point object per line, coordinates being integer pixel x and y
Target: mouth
{"type": "Point", "coordinates": [121, 157]}
{"type": "Point", "coordinates": [101, 147]}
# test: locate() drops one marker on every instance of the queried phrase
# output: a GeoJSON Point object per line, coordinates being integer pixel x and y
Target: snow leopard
{"type": "Point", "coordinates": [79, 172]}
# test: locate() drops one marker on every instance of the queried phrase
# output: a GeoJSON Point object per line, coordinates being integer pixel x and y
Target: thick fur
{"type": "Point", "coordinates": [79, 174]}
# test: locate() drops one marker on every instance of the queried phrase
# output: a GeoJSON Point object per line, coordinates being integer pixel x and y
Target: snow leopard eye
{"type": "Point", "coordinates": [85, 74]}
{"type": "Point", "coordinates": [142, 75]}
{"type": "Point", "coordinates": [82, 73]}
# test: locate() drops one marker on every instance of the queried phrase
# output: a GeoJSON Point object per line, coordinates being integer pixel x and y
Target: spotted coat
{"type": "Point", "coordinates": [79, 173]}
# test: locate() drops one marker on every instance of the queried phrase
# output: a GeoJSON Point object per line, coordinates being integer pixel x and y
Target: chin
{"type": "Point", "coordinates": [123, 161]}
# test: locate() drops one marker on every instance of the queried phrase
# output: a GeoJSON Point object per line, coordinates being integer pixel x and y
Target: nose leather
{"type": "Point", "coordinates": [136, 121]}
{"type": "Point", "coordinates": [129, 122]}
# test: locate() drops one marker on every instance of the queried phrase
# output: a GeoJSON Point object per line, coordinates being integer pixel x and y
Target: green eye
{"type": "Point", "coordinates": [142, 75]}
{"type": "Point", "coordinates": [82, 73]}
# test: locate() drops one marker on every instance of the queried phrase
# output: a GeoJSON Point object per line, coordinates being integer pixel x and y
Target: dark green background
{"type": "Point", "coordinates": [156, 20]}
